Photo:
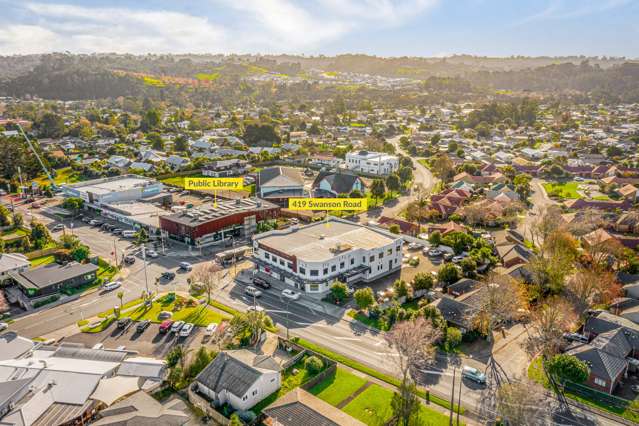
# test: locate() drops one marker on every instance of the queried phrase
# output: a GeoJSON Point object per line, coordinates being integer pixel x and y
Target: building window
{"type": "Point", "coordinates": [600, 382]}
{"type": "Point", "coordinates": [333, 268]}
{"type": "Point", "coordinates": [289, 265]}
{"type": "Point", "coordinates": [352, 261]}
{"type": "Point", "coordinates": [390, 251]}
{"type": "Point", "coordinates": [244, 398]}
{"type": "Point", "coordinates": [325, 271]}
{"type": "Point", "coordinates": [314, 287]}
{"type": "Point", "coordinates": [255, 392]}
{"type": "Point", "coordinates": [267, 256]}
{"type": "Point", "coordinates": [302, 271]}
{"type": "Point", "coordinates": [381, 254]}
{"type": "Point", "coordinates": [314, 272]}
{"type": "Point", "coordinates": [371, 259]}
{"type": "Point", "coordinates": [397, 249]}
{"type": "Point", "coordinates": [281, 262]}
{"type": "Point", "coordinates": [341, 265]}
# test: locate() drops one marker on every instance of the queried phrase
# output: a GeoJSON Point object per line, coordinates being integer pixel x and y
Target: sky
{"type": "Point", "coordinates": [329, 27]}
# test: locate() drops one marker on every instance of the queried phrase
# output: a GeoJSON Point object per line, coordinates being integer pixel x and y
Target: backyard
{"type": "Point", "coordinates": [563, 190]}
{"type": "Point", "coordinates": [364, 400]}
{"type": "Point", "coordinates": [64, 175]}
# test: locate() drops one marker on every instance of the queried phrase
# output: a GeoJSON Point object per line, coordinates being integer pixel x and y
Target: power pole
{"type": "Point", "coordinates": [452, 399]}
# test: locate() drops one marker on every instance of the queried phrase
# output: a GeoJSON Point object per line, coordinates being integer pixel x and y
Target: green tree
{"type": "Point", "coordinates": [405, 405]}
{"type": "Point", "coordinates": [202, 358]}
{"type": "Point", "coordinates": [313, 364]}
{"type": "Point", "coordinates": [364, 298]}
{"type": "Point", "coordinates": [378, 189]}
{"type": "Point", "coordinates": [356, 193]}
{"type": "Point", "coordinates": [468, 266]}
{"type": "Point", "coordinates": [522, 185]}
{"type": "Point", "coordinates": [181, 143]}
{"type": "Point", "coordinates": [235, 420]}
{"type": "Point", "coordinates": [567, 367]}
{"type": "Point", "coordinates": [142, 236]}
{"type": "Point", "coordinates": [435, 238]}
{"type": "Point", "coordinates": [80, 253]}
{"type": "Point", "coordinates": [156, 141]}
{"type": "Point", "coordinates": [400, 289]}
{"type": "Point", "coordinates": [448, 274]}
{"type": "Point", "coordinates": [39, 235]}
{"type": "Point", "coordinates": [151, 120]}
{"type": "Point", "coordinates": [394, 228]}
{"type": "Point", "coordinates": [393, 183]}
{"type": "Point", "coordinates": [120, 295]}
{"type": "Point", "coordinates": [422, 281]}
{"type": "Point", "coordinates": [405, 174]}
{"type": "Point", "coordinates": [5, 216]}
{"type": "Point", "coordinates": [49, 125]}
{"type": "Point", "coordinates": [339, 291]}
{"type": "Point", "coordinates": [75, 204]}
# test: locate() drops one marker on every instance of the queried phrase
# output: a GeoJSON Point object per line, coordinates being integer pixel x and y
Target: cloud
{"type": "Point", "coordinates": [242, 26]}
{"type": "Point", "coordinates": [568, 9]}
{"type": "Point", "coordinates": [83, 29]}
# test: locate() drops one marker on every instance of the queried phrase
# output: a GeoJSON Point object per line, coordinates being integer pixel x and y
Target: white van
{"type": "Point", "coordinates": [128, 234]}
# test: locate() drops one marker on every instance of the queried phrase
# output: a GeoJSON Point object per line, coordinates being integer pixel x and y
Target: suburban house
{"type": "Point", "coordinates": [455, 312]}
{"type": "Point", "coordinates": [52, 278]}
{"type": "Point", "coordinates": [446, 228]}
{"type": "Point", "coordinates": [614, 340]}
{"type": "Point", "coordinates": [226, 168]}
{"type": "Point", "coordinates": [176, 162]}
{"type": "Point", "coordinates": [328, 184]}
{"type": "Point", "coordinates": [325, 160]}
{"type": "Point", "coordinates": [278, 184]}
{"type": "Point", "coordinates": [580, 204]}
{"type": "Point", "coordinates": [12, 262]}
{"type": "Point", "coordinates": [239, 378]}
{"type": "Point", "coordinates": [514, 254]}
{"type": "Point", "coordinates": [628, 222]}
{"type": "Point", "coordinates": [449, 201]}
{"type": "Point", "coordinates": [375, 163]}
{"type": "Point", "coordinates": [301, 407]}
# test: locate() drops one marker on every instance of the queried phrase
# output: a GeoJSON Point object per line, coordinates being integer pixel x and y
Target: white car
{"type": "Point", "coordinates": [210, 329]}
{"type": "Point", "coordinates": [111, 286]}
{"type": "Point", "coordinates": [58, 227]}
{"type": "Point", "coordinates": [186, 330]}
{"type": "Point", "coordinates": [3, 326]}
{"type": "Point", "coordinates": [152, 254]}
{"type": "Point", "coordinates": [252, 291]}
{"type": "Point", "coordinates": [186, 266]}
{"type": "Point", "coordinates": [290, 294]}
{"type": "Point", "coordinates": [255, 308]}
{"type": "Point", "coordinates": [457, 259]}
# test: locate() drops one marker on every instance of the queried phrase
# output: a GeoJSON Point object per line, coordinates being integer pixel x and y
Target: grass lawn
{"type": "Point", "coordinates": [630, 412]}
{"type": "Point", "coordinates": [289, 382]}
{"type": "Point", "coordinates": [44, 260]}
{"type": "Point", "coordinates": [378, 323]}
{"type": "Point", "coordinates": [126, 306]}
{"type": "Point", "coordinates": [13, 233]}
{"type": "Point", "coordinates": [199, 315]}
{"type": "Point", "coordinates": [373, 407]}
{"type": "Point", "coordinates": [369, 371]}
{"type": "Point", "coordinates": [336, 388]}
{"type": "Point", "coordinates": [564, 190]}
{"type": "Point", "coordinates": [100, 327]}
{"type": "Point", "coordinates": [64, 175]}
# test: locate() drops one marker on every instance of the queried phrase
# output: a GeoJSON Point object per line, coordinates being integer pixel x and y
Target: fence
{"type": "Point", "coordinates": [602, 398]}
{"type": "Point", "coordinates": [330, 370]}
{"type": "Point", "coordinates": [43, 252]}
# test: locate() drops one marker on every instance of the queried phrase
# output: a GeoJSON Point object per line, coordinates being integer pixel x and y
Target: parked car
{"type": "Point", "coordinates": [93, 222]}
{"type": "Point", "coordinates": [129, 260]}
{"type": "Point", "coordinates": [124, 322]}
{"type": "Point", "coordinates": [58, 227]}
{"type": "Point", "coordinates": [635, 388]}
{"type": "Point", "coordinates": [168, 275]}
{"type": "Point", "coordinates": [143, 325]}
{"type": "Point", "coordinates": [260, 282]}
{"type": "Point", "coordinates": [177, 325]}
{"type": "Point", "coordinates": [252, 291]}
{"type": "Point", "coordinates": [434, 252]}
{"type": "Point", "coordinates": [415, 246]}
{"type": "Point", "coordinates": [98, 346]}
{"type": "Point", "coordinates": [575, 337]}
{"type": "Point", "coordinates": [165, 326]}
{"type": "Point", "coordinates": [3, 326]}
{"type": "Point", "coordinates": [111, 286]}
{"type": "Point", "coordinates": [457, 259]}
{"type": "Point", "coordinates": [290, 294]}
{"type": "Point", "coordinates": [86, 219]}
{"type": "Point", "coordinates": [128, 234]}
{"type": "Point", "coordinates": [473, 374]}
{"type": "Point", "coordinates": [210, 329]}
{"type": "Point", "coordinates": [448, 257]}
{"type": "Point", "coordinates": [186, 266]}
{"type": "Point", "coordinates": [186, 330]}
{"type": "Point", "coordinates": [255, 308]}
{"type": "Point", "coordinates": [163, 315]}
{"type": "Point", "coordinates": [116, 231]}
{"type": "Point", "coordinates": [152, 254]}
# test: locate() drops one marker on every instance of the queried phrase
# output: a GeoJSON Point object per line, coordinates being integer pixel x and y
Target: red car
{"type": "Point", "coordinates": [165, 326]}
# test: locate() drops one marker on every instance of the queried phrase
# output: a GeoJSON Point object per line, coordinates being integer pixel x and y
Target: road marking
{"type": "Point", "coordinates": [347, 338]}
{"type": "Point", "coordinates": [380, 343]}
{"type": "Point", "coordinates": [387, 353]}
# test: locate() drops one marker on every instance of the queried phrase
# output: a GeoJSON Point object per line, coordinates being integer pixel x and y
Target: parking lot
{"type": "Point", "coordinates": [150, 342]}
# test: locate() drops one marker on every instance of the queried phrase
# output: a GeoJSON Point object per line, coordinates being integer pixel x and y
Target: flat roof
{"type": "Point", "coordinates": [113, 184]}
{"type": "Point", "coordinates": [207, 212]}
{"type": "Point", "coordinates": [318, 241]}
{"type": "Point", "coordinates": [53, 273]}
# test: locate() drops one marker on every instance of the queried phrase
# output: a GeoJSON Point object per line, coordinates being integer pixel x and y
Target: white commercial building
{"type": "Point", "coordinates": [115, 189]}
{"type": "Point", "coordinates": [311, 257]}
{"type": "Point", "coordinates": [375, 163]}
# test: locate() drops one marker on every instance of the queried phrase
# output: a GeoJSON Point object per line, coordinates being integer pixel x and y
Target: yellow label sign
{"type": "Point", "coordinates": [205, 184]}
{"type": "Point", "coordinates": [327, 203]}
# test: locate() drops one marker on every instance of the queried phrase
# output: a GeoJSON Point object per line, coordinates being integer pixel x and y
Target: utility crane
{"type": "Point", "coordinates": [46, 171]}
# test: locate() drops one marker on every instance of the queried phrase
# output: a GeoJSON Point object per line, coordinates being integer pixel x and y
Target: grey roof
{"type": "Point", "coordinates": [51, 274]}
{"type": "Point", "coordinates": [463, 286]}
{"type": "Point", "coordinates": [12, 346]}
{"type": "Point", "coordinates": [280, 176]}
{"type": "Point", "coordinates": [10, 388]}
{"type": "Point", "coordinates": [341, 183]}
{"type": "Point", "coordinates": [142, 409]}
{"type": "Point", "coordinates": [208, 213]}
{"type": "Point", "coordinates": [454, 311]}
{"type": "Point", "coordinates": [228, 373]}
{"type": "Point", "coordinates": [613, 342]}
{"type": "Point", "coordinates": [601, 363]}
{"type": "Point", "coordinates": [89, 354]}
{"type": "Point", "coordinates": [606, 321]}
